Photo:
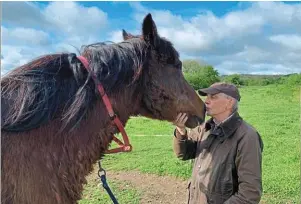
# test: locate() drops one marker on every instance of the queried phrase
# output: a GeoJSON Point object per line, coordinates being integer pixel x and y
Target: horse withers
{"type": "Point", "coordinates": [55, 126]}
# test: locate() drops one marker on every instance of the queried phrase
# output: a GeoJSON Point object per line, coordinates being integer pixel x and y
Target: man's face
{"type": "Point", "coordinates": [217, 104]}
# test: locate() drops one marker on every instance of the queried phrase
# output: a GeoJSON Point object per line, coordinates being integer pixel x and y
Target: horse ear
{"type": "Point", "coordinates": [149, 29]}
{"type": "Point", "coordinates": [125, 35]}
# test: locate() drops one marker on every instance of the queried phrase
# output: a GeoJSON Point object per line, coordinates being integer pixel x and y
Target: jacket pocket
{"type": "Point", "coordinates": [227, 188]}
{"type": "Point", "coordinates": [226, 185]}
{"type": "Point", "coordinates": [223, 182]}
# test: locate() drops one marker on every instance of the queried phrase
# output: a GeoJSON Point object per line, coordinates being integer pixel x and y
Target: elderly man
{"type": "Point", "coordinates": [227, 151]}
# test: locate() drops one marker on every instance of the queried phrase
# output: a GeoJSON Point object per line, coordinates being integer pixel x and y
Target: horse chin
{"type": "Point", "coordinates": [193, 121]}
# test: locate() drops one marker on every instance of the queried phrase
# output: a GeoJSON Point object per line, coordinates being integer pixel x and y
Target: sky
{"type": "Point", "coordinates": [233, 37]}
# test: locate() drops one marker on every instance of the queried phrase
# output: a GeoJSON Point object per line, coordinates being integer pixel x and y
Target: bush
{"type": "Point", "coordinates": [256, 82]}
{"type": "Point", "coordinates": [234, 79]}
{"type": "Point", "coordinates": [293, 80]}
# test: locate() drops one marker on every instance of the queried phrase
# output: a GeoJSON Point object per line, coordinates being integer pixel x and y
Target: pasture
{"type": "Point", "coordinates": [273, 110]}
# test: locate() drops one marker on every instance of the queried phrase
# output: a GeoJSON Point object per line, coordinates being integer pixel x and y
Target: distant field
{"type": "Point", "coordinates": [273, 110]}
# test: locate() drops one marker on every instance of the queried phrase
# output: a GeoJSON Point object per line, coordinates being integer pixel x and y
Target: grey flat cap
{"type": "Point", "coordinates": [221, 87]}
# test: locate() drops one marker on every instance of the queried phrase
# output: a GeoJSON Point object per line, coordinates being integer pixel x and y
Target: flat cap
{"type": "Point", "coordinates": [221, 87]}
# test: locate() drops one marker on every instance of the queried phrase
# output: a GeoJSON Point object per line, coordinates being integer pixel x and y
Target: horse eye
{"type": "Point", "coordinates": [178, 65]}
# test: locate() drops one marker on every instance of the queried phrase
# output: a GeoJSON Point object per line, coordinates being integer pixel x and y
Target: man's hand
{"type": "Point", "coordinates": [180, 123]}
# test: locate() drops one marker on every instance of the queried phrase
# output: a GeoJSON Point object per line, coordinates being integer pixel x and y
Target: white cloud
{"type": "Point", "coordinates": [14, 56]}
{"type": "Point", "coordinates": [74, 43]}
{"type": "Point", "coordinates": [75, 19]}
{"type": "Point", "coordinates": [253, 54]}
{"type": "Point", "coordinates": [24, 14]}
{"type": "Point", "coordinates": [63, 18]}
{"type": "Point", "coordinates": [201, 32]}
{"type": "Point", "coordinates": [279, 13]}
{"type": "Point", "coordinates": [255, 38]}
{"type": "Point", "coordinates": [292, 42]}
{"type": "Point", "coordinates": [24, 36]}
{"type": "Point", "coordinates": [116, 36]}
{"type": "Point", "coordinates": [57, 27]}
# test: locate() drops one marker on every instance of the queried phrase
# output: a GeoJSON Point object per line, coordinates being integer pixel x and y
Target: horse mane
{"type": "Point", "coordinates": [58, 86]}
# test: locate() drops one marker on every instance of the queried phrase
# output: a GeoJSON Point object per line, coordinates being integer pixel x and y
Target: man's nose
{"type": "Point", "coordinates": [206, 101]}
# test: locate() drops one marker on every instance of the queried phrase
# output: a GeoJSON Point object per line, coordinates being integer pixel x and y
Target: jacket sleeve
{"type": "Point", "coordinates": [184, 146]}
{"type": "Point", "coordinates": [249, 167]}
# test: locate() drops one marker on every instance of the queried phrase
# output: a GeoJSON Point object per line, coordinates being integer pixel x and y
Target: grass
{"type": "Point", "coordinates": [273, 110]}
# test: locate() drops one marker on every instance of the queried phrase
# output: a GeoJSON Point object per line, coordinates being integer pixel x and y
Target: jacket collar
{"type": "Point", "coordinates": [225, 129]}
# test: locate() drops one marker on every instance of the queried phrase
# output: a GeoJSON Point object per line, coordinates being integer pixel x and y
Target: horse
{"type": "Point", "coordinates": [55, 125]}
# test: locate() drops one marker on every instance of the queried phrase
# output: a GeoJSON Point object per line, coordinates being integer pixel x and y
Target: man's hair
{"type": "Point", "coordinates": [235, 105]}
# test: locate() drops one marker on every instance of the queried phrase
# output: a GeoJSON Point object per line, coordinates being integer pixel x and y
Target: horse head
{"type": "Point", "coordinates": [165, 90]}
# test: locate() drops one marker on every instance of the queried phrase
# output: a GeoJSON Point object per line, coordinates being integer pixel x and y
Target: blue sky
{"type": "Point", "coordinates": [234, 37]}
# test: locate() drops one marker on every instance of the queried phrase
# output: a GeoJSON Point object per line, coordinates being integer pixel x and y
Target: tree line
{"type": "Point", "coordinates": [201, 75]}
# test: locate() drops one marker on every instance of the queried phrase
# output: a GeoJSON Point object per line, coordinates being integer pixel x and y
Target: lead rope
{"type": "Point", "coordinates": [102, 176]}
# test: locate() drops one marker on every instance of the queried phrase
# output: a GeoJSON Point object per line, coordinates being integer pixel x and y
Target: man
{"type": "Point", "coordinates": [226, 149]}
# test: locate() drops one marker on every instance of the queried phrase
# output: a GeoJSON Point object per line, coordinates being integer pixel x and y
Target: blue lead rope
{"type": "Point", "coordinates": [103, 179]}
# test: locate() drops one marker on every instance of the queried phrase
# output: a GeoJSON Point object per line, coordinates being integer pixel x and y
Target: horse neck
{"type": "Point", "coordinates": [126, 102]}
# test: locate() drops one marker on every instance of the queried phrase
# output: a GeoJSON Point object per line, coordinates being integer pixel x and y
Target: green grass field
{"type": "Point", "coordinates": [273, 110]}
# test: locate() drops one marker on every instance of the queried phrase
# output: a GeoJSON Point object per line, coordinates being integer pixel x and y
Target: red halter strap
{"type": "Point", "coordinates": [124, 147]}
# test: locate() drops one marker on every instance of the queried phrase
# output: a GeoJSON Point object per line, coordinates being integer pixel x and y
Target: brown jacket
{"type": "Point", "coordinates": [227, 166]}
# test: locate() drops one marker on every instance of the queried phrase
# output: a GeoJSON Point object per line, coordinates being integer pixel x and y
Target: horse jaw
{"type": "Point", "coordinates": [193, 121]}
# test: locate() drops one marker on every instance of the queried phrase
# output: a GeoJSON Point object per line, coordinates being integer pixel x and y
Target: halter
{"type": "Point", "coordinates": [123, 147]}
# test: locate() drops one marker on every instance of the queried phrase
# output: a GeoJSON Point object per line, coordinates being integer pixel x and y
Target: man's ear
{"type": "Point", "coordinates": [230, 103]}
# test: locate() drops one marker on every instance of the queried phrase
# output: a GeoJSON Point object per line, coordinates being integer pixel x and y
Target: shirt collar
{"type": "Point", "coordinates": [219, 124]}
{"type": "Point", "coordinates": [226, 128]}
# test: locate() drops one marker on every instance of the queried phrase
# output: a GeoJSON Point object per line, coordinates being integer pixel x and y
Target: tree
{"type": "Point", "coordinates": [199, 76]}
{"type": "Point", "coordinates": [191, 66]}
{"type": "Point", "coordinates": [210, 76]}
